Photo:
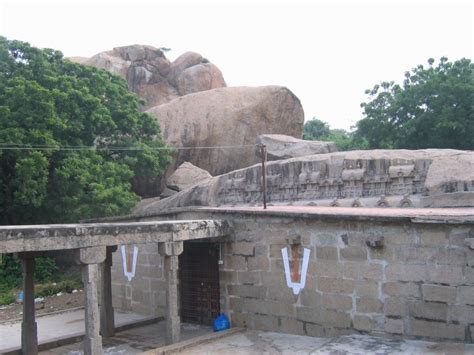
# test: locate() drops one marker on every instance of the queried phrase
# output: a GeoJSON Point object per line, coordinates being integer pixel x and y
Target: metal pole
{"type": "Point", "coordinates": [263, 152]}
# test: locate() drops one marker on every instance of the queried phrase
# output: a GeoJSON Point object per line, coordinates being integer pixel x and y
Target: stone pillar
{"type": "Point", "coordinates": [29, 331]}
{"type": "Point", "coordinates": [107, 321]}
{"type": "Point", "coordinates": [171, 251]}
{"type": "Point", "coordinates": [90, 258]}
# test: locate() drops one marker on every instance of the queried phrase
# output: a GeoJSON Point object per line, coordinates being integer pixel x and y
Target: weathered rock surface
{"type": "Point", "coordinates": [153, 77]}
{"type": "Point", "coordinates": [195, 109]}
{"type": "Point", "coordinates": [280, 146]}
{"type": "Point", "coordinates": [185, 176]}
{"type": "Point", "coordinates": [232, 116]}
{"type": "Point", "coordinates": [373, 178]}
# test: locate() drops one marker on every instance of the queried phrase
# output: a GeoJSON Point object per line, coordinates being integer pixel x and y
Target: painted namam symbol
{"type": "Point", "coordinates": [295, 281]}
{"type": "Point", "coordinates": [129, 261]}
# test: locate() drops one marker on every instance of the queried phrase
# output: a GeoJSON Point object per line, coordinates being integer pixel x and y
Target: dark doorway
{"type": "Point", "coordinates": [199, 281]}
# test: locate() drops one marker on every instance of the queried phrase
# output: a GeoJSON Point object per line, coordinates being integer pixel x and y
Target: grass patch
{"type": "Point", "coordinates": [7, 298]}
{"type": "Point", "coordinates": [49, 289]}
{"type": "Point", "coordinates": [49, 280]}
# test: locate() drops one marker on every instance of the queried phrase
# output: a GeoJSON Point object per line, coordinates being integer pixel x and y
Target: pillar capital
{"type": "Point", "coordinates": [170, 248]}
{"type": "Point", "coordinates": [91, 255]}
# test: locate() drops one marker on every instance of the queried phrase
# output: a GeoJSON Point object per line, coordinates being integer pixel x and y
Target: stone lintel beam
{"type": "Point", "coordinates": [72, 236]}
{"type": "Point", "coordinates": [201, 230]}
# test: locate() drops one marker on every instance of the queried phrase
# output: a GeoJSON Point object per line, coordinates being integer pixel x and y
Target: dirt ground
{"type": "Point", "coordinates": [14, 312]}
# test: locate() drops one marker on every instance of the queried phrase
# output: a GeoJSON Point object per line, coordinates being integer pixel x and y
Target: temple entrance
{"type": "Point", "coordinates": [199, 282]}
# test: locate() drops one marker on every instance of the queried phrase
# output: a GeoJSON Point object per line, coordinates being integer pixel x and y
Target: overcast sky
{"type": "Point", "coordinates": [326, 52]}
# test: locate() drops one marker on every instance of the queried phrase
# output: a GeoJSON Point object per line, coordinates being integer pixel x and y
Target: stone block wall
{"type": "Point", "coordinates": [394, 278]}
{"type": "Point", "coordinates": [145, 293]}
{"type": "Point", "coordinates": [417, 282]}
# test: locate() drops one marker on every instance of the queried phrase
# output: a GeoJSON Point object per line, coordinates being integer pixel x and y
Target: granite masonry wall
{"type": "Point", "coordinates": [392, 277]}
{"type": "Point", "coordinates": [145, 293]}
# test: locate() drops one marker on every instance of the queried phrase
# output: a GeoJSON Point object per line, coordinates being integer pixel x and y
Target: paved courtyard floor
{"type": "Point", "coordinates": [150, 337]}
{"type": "Point", "coordinates": [54, 327]}
{"type": "Point", "coordinates": [258, 342]}
{"type": "Point", "coordinates": [136, 340]}
{"type": "Point", "coordinates": [147, 339]}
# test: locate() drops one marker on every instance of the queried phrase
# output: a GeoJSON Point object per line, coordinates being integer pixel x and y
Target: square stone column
{"type": "Point", "coordinates": [171, 251]}
{"type": "Point", "coordinates": [29, 330]}
{"type": "Point", "coordinates": [90, 258]}
{"type": "Point", "coordinates": [107, 320]}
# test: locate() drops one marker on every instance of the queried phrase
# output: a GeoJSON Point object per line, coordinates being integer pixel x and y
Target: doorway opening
{"type": "Point", "coordinates": [199, 282]}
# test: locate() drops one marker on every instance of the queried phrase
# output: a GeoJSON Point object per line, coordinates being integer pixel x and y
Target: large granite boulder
{"type": "Point", "coordinates": [230, 118]}
{"type": "Point", "coordinates": [186, 176]}
{"type": "Point", "coordinates": [195, 109]}
{"type": "Point", "coordinates": [373, 178]}
{"type": "Point", "coordinates": [281, 146]}
{"type": "Point", "coordinates": [153, 77]}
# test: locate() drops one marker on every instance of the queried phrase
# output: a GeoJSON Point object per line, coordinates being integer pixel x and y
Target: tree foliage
{"type": "Point", "coordinates": [316, 129]}
{"type": "Point", "coordinates": [433, 108]}
{"type": "Point", "coordinates": [71, 123]}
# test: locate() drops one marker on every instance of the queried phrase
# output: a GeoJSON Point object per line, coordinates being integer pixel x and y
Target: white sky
{"type": "Point", "coordinates": [326, 52]}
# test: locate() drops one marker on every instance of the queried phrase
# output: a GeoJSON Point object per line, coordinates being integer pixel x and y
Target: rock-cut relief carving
{"type": "Point", "coordinates": [402, 174]}
{"type": "Point", "coordinates": [253, 188]}
{"type": "Point", "coordinates": [273, 185]}
{"type": "Point", "coordinates": [405, 202]}
{"type": "Point", "coordinates": [383, 202]}
{"type": "Point", "coordinates": [288, 186]}
{"type": "Point", "coordinates": [353, 179]}
{"type": "Point", "coordinates": [233, 191]}
{"type": "Point", "coordinates": [309, 182]}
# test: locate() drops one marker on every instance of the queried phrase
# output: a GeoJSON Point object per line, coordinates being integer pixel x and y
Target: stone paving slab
{"type": "Point", "coordinates": [136, 340]}
{"type": "Point", "coordinates": [57, 326]}
{"type": "Point", "coordinates": [151, 339]}
{"type": "Point", "coordinates": [185, 344]}
{"type": "Point", "coordinates": [258, 342]}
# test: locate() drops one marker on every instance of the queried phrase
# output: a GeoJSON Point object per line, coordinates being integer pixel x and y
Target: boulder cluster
{"type": "Point", "coordinates": [213, 127]}
{"type": "Point", "coordinates": [217, 131]}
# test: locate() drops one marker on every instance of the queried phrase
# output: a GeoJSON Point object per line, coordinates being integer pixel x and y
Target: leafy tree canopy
{"type": "Point", "coordinates": [63, 127]}
{"type": "Point", "coordinates": [433, 108]}
{"type": "Point", "coordinates": [316, 129]}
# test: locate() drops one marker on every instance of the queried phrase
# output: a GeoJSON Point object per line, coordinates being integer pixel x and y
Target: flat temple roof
{"type": "Point", "coordinates": [71, 236]}
{"type": "Point", "coordinates": [415, 215]}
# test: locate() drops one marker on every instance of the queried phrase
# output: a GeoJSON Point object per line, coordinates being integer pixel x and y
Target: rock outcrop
{"type": "Point", "coordinates": [190, 99]}
{"type": "Point", "coordinates": [153, 77]}
{"type": "Point", "coordinates": [186, 176]}
{"type": "Point", "coordinates": [280, 146]}
{"type": "Point", "coordinates": [373, 178]}
{"type": "Point", "coordinates": [230, 118]}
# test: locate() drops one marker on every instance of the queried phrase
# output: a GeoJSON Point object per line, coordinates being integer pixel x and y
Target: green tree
{"type": "Point", "coordinates": [433, 108]}
{"type": "Point", "coordinates": [63, 129]}
{"type": "Point", "coordinates": [315, 129]}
